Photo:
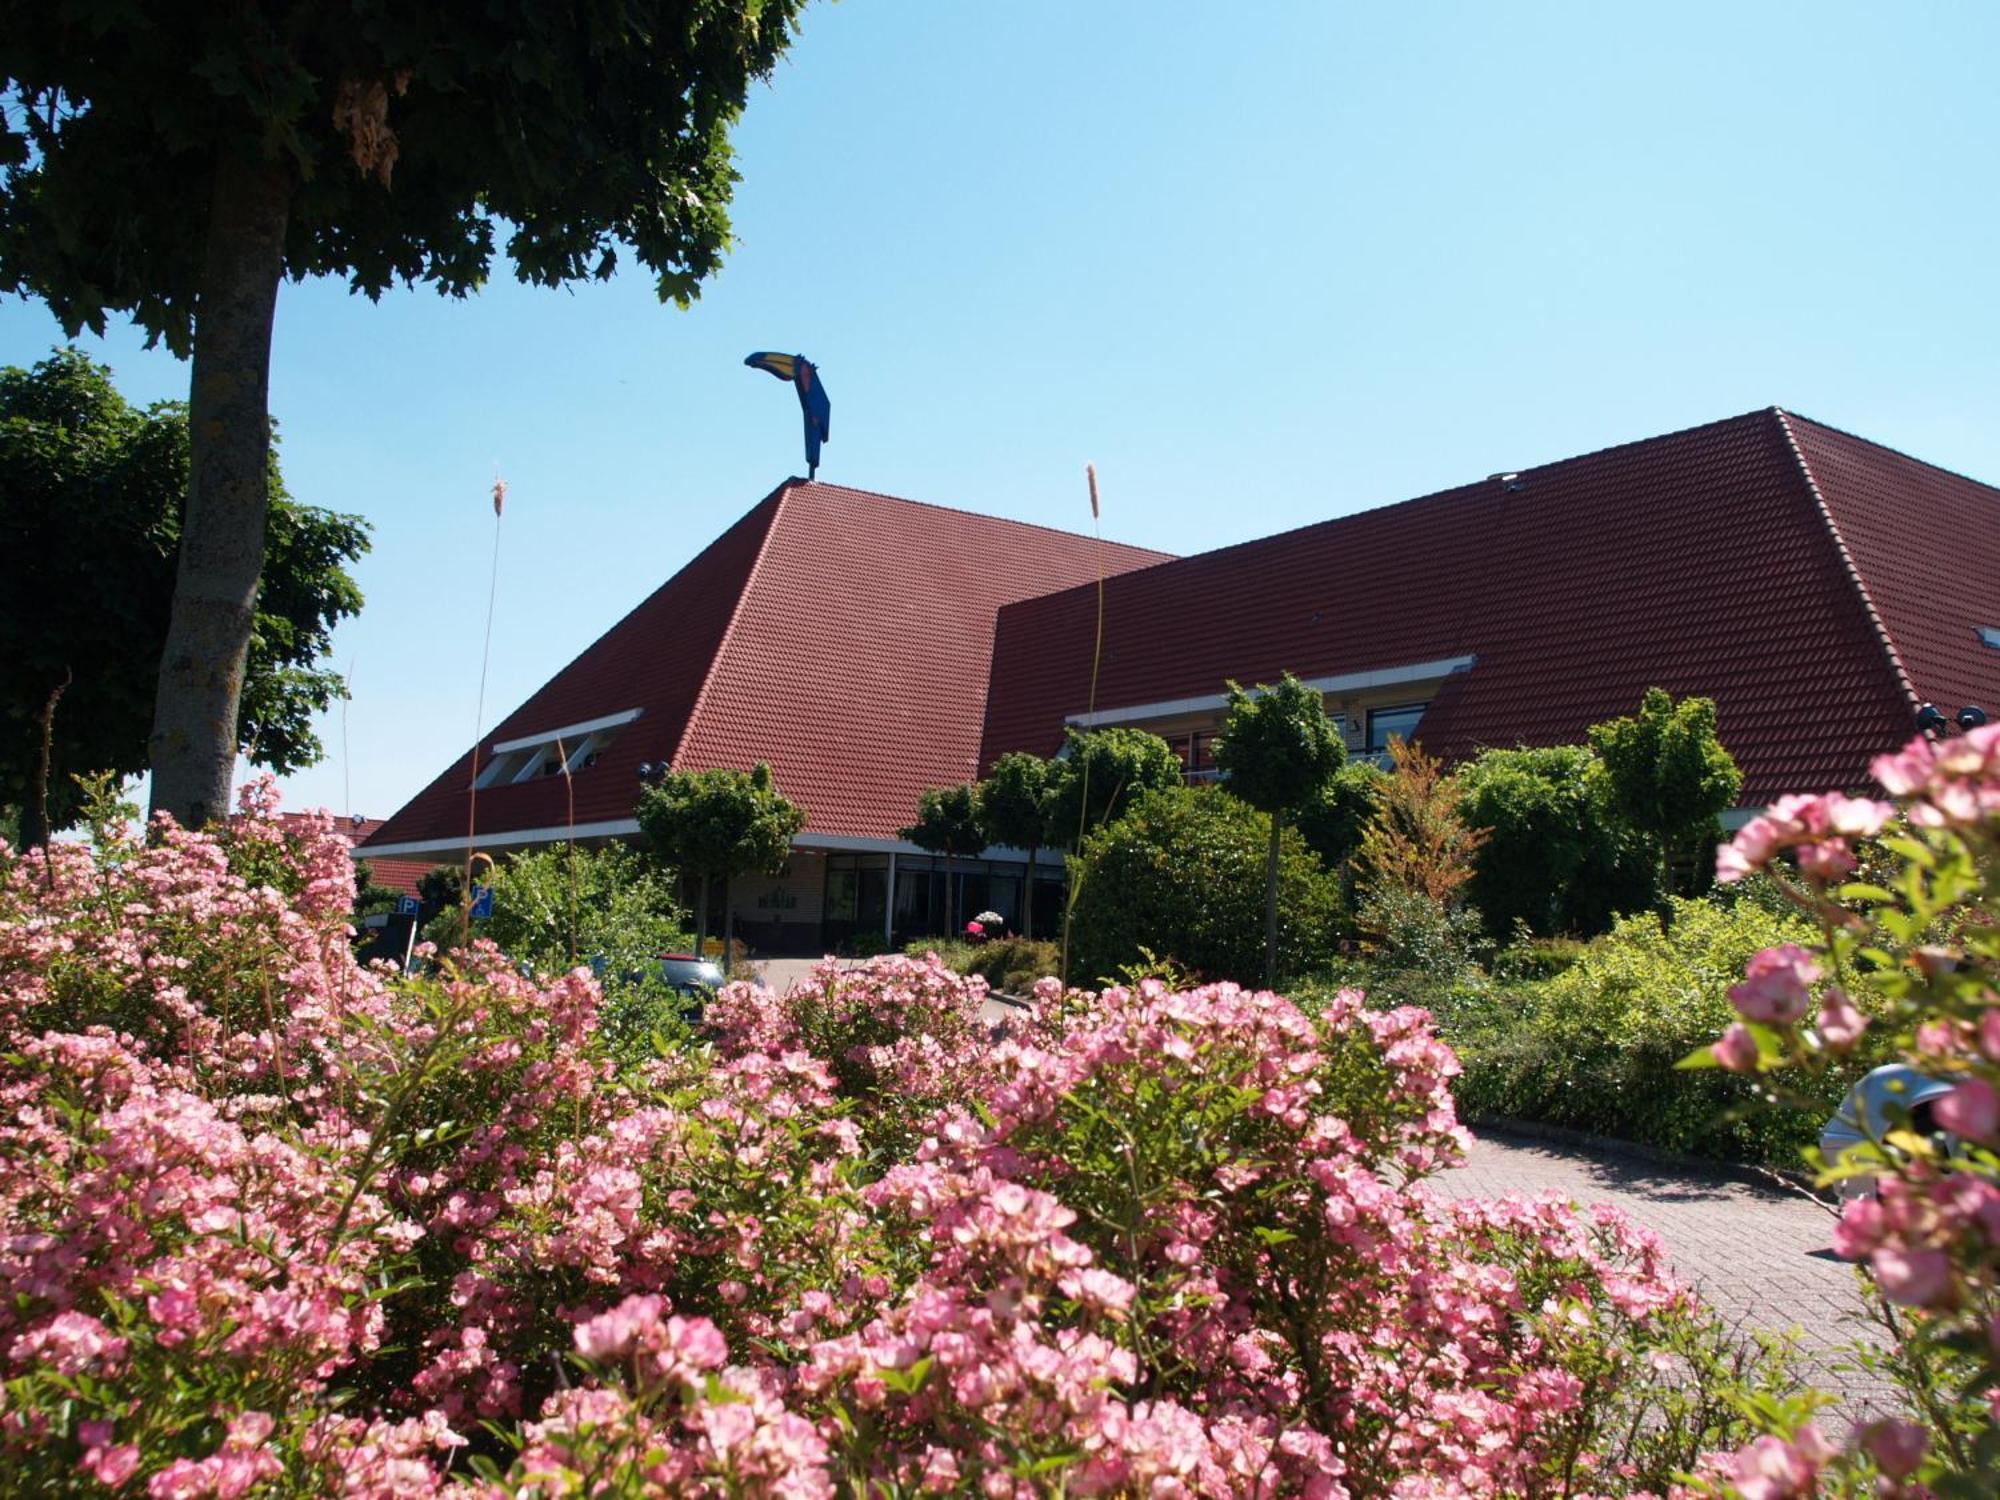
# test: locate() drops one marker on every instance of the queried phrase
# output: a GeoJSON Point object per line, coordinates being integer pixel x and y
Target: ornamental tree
{"type": "Point", "coordinates": [716, 825]}
{"type": "Point", "coordinates": [1099, 772]}
{"type": "Point", "coordinates": [175, 163]}
{"type": "Point", "coordinates": [1557, 857]}
{"type": "Point", "coordinates": [1014, 801]}
{"type": "Point", "coordinates": [91, 490]}
{"type": "Point", "coordinates": [1280, 752]}
{"type": "Point", "coordinates": [951, 823]}
{"type": "Point", "coordinates": [1668, 776]}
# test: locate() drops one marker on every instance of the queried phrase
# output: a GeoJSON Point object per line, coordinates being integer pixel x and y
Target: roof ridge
{"type": "Point", "coordinates": [780, 495]}
{"type": "Point", "coordinates": [1875, 620]}
{"type": "Point", "coordinates": [980, 515]}
{"type": "Point", "coordinates": [1855, 437]}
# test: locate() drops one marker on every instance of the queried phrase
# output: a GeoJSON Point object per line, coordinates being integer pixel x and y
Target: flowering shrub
{"type": "Point", "coordinates": [1924, 945]}
{"type": "Point", "coordinates": [277, 1223]}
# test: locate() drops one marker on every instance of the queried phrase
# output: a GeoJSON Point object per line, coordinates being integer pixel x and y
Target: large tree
{"type": "Point", "coordinates": [175, 162]}
{"type": "Point", "coordinates": [716, 825]}
{"type": "Point", "coordinates": [90, 511]}
{"type": "Point", "coordinates": [1279, 752]}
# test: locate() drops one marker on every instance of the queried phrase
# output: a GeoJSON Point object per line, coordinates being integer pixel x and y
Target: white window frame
{"type": "Point", "coordinates": [573, 742]}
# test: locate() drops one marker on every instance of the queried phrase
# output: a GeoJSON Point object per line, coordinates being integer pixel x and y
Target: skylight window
{"type": "Point", "coordinates": [573, 747]}
{"type": "Point", "coordinates": [1990, 634]}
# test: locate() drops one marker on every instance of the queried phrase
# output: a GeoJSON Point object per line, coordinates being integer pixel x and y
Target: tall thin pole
{"type": "Point", "coordinates": [479, 717]}
{"type": "Point", "coordinates": [1096, 658]}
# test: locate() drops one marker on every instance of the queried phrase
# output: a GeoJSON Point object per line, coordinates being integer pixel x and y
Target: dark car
{"type": "Point", "coordinates": [696, 978]}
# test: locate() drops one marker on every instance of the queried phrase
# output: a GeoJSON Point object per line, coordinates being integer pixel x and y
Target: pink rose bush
{"type": "Point", "coordinates": [1924, 944]}
{"type": "Point", "coordinates": [277, 1223]}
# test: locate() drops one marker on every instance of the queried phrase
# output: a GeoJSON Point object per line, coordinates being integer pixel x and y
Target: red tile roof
{"type": "Point", "coordinates": [1706, 561]}
{"type": "Point", "coordinates": [1927, 544]}
{"type": "Point", "coordinates": [841, 635]}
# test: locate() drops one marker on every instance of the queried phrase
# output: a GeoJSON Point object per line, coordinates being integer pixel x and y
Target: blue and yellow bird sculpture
{"type": "Point", "coordinates": [813, 405]}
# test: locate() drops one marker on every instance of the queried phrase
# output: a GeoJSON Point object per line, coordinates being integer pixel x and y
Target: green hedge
{"type": "Point", "coordinates": [1594, 1047]}
{"type": "Point", "coordinates": [1181, 875]}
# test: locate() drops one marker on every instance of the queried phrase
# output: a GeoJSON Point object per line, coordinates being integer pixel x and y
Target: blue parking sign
{"type": "Point", "coordinates": [408, 906]}
{"type": "Point", "coordinates": [482, 900]}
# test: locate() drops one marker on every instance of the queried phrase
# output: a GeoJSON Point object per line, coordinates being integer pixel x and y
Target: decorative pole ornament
{"type": "Point", "coordinates": [813, 405]}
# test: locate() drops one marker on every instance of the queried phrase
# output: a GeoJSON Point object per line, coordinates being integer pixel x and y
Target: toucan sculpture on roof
{"type": "Point", "coordinates": [813, 405]}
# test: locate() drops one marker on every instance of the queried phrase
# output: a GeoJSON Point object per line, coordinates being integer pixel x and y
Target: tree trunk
{"type": "Point", "coordinates": [222, 531]}
{"type": "Point", "coordinates": [1271, 905]}
{"type": "Point", "coordinates": [701, 918]}
{"type": "Point", "coordinates": [728, 928]}
{"type": "Point", "coordinates": [35, 829]}
{"type": "Point", "coordinates": [1028, 896]}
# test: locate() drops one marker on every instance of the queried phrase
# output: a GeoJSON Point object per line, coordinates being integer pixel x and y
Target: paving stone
{"type": "Point", "coordinates": [1759, 1255]}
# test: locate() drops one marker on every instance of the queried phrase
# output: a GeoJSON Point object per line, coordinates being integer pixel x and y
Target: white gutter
{"type": "Point", "coordinates": [567, 731]}
{"type": "Point", "coordinates": [1345, 682]}
{"type": "Point", "coordinates": [625, 827]}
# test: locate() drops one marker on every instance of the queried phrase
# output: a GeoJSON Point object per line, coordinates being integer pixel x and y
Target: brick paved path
{"type": "Point", "coordinates": [1757, 1254]}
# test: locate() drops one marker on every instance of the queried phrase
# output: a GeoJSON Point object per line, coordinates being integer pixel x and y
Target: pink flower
{"type": "Point", "coordinates": [1826, 859]}
{"type": "Point", "coordinates": [1972, 1110]}
{"type": "Point", "coordinates": [1775, 985]}
{"type": "Point", "coordinates": [1737, 1049]}
{"type": "Point", "coordinates": [1989, 1030]}
{"type": "Point", "coordinates": [111, 1467]}
{"type": "Point", "coordinates": [1772, 1469]}
{"type": "Point", "coordinates": [1913, 1278]}
{"type": "Point", "coordinates": [1896, 1446]}
{"type": "Point", "coordinates": [611, 1335]}
{"type": "Point", "coordinates": [1840, 1020]}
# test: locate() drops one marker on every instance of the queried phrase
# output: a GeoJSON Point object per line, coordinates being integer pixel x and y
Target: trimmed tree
{"type": "Point", "coordinates": [1557, 859]}
{"type": "Point", "coordinates": [1279, 752]}
{"type": "Point", "coordinates": [1014, 800]}
{"type": "Point", "coordinates": [716, 825]}
{"type": "Point", "coordinates": [1099, 772]}
{"type": "Point", "coordinates": [1182, 876]}
{"type": "Point", "coordinates": [949, 823]}
{"type": "Point", "coordinates": [91, 490]}
{"type": "Point", "coordinates": [176, 163]}
{"type": "Point", "coordinates": [1667, 775]}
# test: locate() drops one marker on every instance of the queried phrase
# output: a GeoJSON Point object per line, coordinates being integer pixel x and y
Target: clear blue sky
{"type": "Point", "coordinates": [1263, 265]}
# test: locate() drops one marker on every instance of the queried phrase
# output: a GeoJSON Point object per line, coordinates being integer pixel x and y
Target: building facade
{"type": "Point", "coordinates": [1819, 587]}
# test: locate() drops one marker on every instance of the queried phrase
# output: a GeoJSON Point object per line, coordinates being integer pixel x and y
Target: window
{"type": "Point", "coordinates": [532, 757]}
{"type": "Point", "coordinates": [1990, 635]}
{"type": "Point", "coordinates": [1398, 723]}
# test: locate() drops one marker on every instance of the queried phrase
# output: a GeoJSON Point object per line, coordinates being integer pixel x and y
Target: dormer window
{"type": "Point", "coordinates": [575, 747]}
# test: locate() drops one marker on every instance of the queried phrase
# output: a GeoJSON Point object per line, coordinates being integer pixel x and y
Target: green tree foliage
{"type": "Point", "coordinates": [1333, 825]}
{"type": "Point", "coordinates": [1015, 799]}
{"type": "Point", "coordinates": [950, 823]}
{"type": "Point", "coordinates": [608, 909]}
{"type": "Point", "coordinates": [371, 899]}
{"type": "Point", "coordinates": [1668, 776]}
{"type": "Point", "coordinates": [1099, 772]}
{"type": "Point", "coordinates": [174, 163]}
{"type": "Point", "coordinates": [439, 889]}
{"type": "Point", "coordinates": [1280, 752]}
{"type": "Point", "coordinates": [716, 825]}
{"type": "Point", "coordinates": [91, 490]}
{"type": "Point", "coordinates": [564, 905]}
{"type": "Point", "coordinates": [1181, 875]}
{"type": "Point", "coordinates": [1557, 858]}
